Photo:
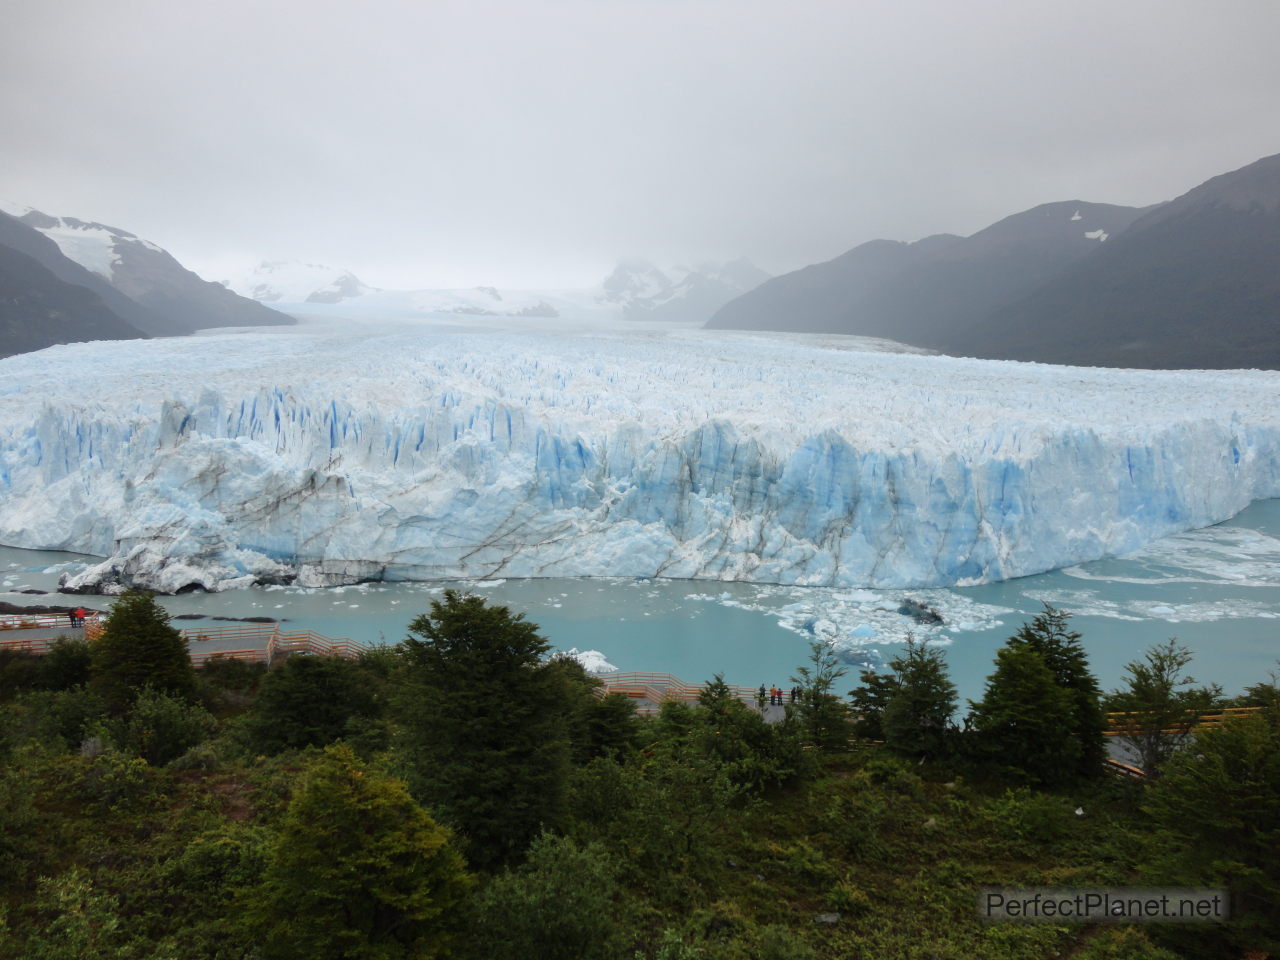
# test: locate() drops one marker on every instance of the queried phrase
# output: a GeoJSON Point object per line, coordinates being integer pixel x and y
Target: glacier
{"type": "Point", "coordinates": [336, 452]}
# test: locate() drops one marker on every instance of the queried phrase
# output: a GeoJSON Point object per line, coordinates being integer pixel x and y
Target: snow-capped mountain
{"type": "Point", "coordinates": [291, 281]}
{"type": "Point", "coordinates": [636, 290]}
{"type": "Point", "coordinates": [177, 300]}
{"type": "Point", "coordinates": [329, 454]}
{"type": "Point", "coordinates": [466, 304]}
{"type": "Point", "coordinates": [642, 291]}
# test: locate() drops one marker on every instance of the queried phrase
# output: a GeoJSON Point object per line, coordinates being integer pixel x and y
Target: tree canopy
{"type": "Point", "coordinates": [137, 648]}
{"type": "Point", "coordinates": [485, 723]}
{"type": "Point", "coordinates": [1049, 635]}
{"type": "Point", "coordinates": [358, 871]}
{"type": "Point", "coordinates": [1024, 719]}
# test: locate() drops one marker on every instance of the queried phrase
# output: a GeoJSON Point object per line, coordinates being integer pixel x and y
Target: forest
{"type": "Point", "coordinates": [465, 793]}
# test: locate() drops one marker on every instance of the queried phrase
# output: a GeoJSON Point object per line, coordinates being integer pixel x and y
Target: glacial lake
{"type": "Point", "coordinates": [1217, 590]}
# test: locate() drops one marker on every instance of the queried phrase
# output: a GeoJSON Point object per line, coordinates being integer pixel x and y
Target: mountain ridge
{"type": "Point", "coordinates": [1188, 283]}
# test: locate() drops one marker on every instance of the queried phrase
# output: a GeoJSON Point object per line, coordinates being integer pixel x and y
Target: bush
{"type": "Point", "coordinates": [893, 774]}
{"type": "Point", "coordinates": [855, 824]}
{"type": "Point", "coordinates": [66, 665]}
{"type": "Point", "coordinates": [60, 717]}
{"type": "Point", "coordinates": [231, 673]}
{"type": "Point", "coordinates": [780, 943]}
{"type": "Point", "coordinates": [357, 869]}
{"type": "Point", "coordinates": [308, 701]}
{"type": "Point", "coordinates": [1031, 818]}
{"type": "Point", "coordinates": [19, 671]}
{"type": "Point", "coordinates": [1124, 943]}
{"type": "Point", "coordinates": [160, 728]}
{"type": "Point", "coordinates": [113, 781]}
{"type": "Point", "coordinates": [558, 905]}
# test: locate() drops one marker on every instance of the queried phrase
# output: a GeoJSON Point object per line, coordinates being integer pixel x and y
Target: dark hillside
{"type": "Point", "coordinates": [38, 310]}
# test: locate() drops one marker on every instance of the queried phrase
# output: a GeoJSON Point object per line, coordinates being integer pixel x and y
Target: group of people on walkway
{"type": "Point", "coordinates": [775, 695]}
{"type": "Point", "coordinates": [77, 616]}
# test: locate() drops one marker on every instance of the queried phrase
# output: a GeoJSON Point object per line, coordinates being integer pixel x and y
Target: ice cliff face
{"type": "Point", "coordinates": [414, 453]}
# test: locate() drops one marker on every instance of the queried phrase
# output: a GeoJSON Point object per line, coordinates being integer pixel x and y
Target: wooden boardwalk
{"type": "Point", "coordinates": [252, 642]}
{"type": "Point", "coordinates": [651, 690]}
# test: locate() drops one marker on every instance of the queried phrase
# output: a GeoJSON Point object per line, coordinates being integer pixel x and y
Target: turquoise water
{"type": "Point", "coordinates": [1217, 590]}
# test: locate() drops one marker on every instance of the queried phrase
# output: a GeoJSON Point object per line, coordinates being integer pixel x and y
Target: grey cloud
{"type": "Point", "coordinates": [536, 142]}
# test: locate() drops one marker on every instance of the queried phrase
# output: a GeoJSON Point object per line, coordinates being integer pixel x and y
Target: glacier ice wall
{"type": "Point", "coordinates": [335, 455]}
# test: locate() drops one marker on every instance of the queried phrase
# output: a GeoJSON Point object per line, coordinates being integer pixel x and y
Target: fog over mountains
{"type": "Point", "coordinates": [1187, 284]}
{"type": "Point", "coordinates": [635, 290]}
{"type": "Point", "coordinates": [1190, 283]}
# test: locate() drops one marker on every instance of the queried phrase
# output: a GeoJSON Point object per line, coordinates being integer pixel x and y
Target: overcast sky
{"type": "Point", "coordinates": [534, 143]}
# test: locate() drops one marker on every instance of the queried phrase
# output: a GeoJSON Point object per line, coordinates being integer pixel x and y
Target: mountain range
{"type": "Point", "coordinates": [1190, 283]}
{"type": "Point", "coordinates": [64, 280]}
{"type": "Point", "coordinates": [291, 281]}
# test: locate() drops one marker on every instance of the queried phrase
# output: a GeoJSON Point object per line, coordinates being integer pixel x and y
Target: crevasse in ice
{"type": "Point", "coordinates": [400, 452]}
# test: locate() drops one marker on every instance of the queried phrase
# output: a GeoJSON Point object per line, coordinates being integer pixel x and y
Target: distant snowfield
{"type": "Point", "coordinates": [346, 449]}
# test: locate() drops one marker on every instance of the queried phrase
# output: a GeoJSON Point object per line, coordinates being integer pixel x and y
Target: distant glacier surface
{"type": "Point", "coordinates": [338, 452]}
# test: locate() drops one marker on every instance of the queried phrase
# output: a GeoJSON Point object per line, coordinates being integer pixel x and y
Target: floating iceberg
{"type": "Point", "coordinates": [325, 456]}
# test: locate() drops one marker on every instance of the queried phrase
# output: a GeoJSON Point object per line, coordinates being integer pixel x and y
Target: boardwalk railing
{"type": "Point", "coordinates": [252, 642]}
{"type": "Point", "coordinates": [41, 621]}
{"type": "Point", "coordinates": [1126, 771]}
{"type": "Point", "coordinates": [655, 689]}
{"type": "Point", "coordinates": [1126, 723]}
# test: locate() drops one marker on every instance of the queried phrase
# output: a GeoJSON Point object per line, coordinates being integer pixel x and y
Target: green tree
{"type": "Point", "coordinates": [1023, 723]}
{"type": "Point", "coordinates": [308, 701]}
{"type": "Point", "coordinates": [823, 716]}
{"type": "Point", "coordinates": [137, 648]}
{"type": "Point", "coordinates": [869, 701]}
{"type": "Point", "coordinates": [1216, 819]}
{"type": "Point", "coordinates": [720, 727]}
{"type": "Point", "coordinates": [917, 714]}
{"type": "Point", "coordinates": [357, 871]}
{"type": "Point", "coordinates": [558, 905]}
{"type": "Point", "coordinates": [598, 726]}
{"type": "Point", "coordinates": [1050, 636]}
{"type": "Point", "coordinates": [485, 725]}
{"type": "Point", "coordinates": [1160, 706]}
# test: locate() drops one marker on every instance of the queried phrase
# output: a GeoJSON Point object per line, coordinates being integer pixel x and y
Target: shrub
{"type": "Point", "coordinates": [357, 869]}
{"type": "Point", "coordinates": [855, 824]}
{"type": "Point", "coordinates": [67, 664]}
{"type": "Point", "coordinates": [1030, 817]}
{"type": "Point", "coordinates": [160, 728]}
{"type": "Point", "coordinates": [308, 701]}
{"type": "Point", "coordinates": [561, 899]}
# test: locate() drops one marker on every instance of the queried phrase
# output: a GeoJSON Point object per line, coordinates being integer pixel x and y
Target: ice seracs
{"type": "Point", "coordinates": [328, 456]}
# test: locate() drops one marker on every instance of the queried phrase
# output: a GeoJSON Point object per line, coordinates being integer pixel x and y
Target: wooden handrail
{"type": "Point", "coordinates": [1121, 723]}
{"type": "Point", "coordinates": [41, 621]}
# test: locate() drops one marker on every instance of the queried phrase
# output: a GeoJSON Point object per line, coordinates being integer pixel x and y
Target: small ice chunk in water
{"type": "Point", "coordinates": [592, 661]}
